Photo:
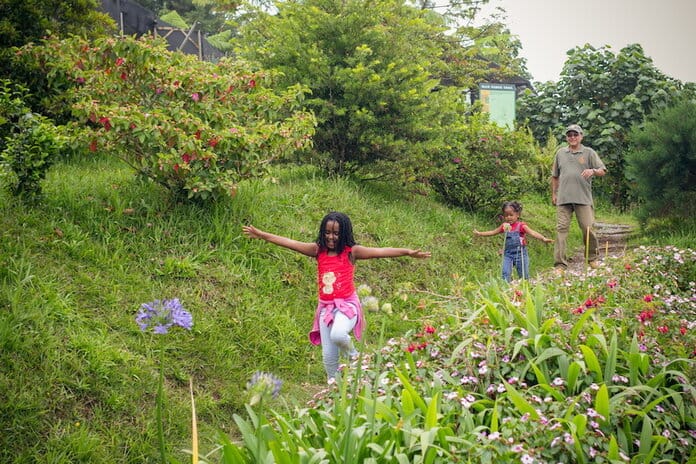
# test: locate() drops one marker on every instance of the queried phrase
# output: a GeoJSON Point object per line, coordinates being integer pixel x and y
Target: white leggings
{"type": "Point", "coordinates": [335, 338]}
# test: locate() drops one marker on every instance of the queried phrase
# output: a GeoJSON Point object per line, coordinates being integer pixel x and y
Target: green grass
{"type": "Point", "coordinates": [79, 379]}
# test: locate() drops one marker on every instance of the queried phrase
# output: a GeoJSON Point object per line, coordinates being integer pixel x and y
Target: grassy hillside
{"type": "Point", "coordinates": [79, 379]}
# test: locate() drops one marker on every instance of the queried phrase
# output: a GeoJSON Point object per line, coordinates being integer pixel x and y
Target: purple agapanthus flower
{"type": "Point", "coordinates": [161, 315]}
{"type": "Point", "coordinates": [262, 385]}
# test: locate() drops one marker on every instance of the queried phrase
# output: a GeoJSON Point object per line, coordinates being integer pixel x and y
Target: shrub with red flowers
{"type": "Point", "coordinates": [194, 127]}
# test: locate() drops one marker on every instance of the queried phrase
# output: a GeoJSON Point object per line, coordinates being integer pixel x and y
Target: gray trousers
{"type": "Point", "coordinates": [585, 217]}
{"type": "Point", "coordinates": [335, 338]}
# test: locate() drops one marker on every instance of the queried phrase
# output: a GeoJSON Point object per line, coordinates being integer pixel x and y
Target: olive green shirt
{"type": "Point", "coordinates": [567, 167]}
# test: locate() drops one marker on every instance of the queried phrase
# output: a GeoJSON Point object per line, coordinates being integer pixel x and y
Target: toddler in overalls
{"type": "Point", "coordinates": [515, 251]}
{"type": "Point", "coordinates": [515, 248]}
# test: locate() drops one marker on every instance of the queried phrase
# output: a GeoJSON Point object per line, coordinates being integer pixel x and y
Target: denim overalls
{"type": "Point", "coordinates": [515, 253]}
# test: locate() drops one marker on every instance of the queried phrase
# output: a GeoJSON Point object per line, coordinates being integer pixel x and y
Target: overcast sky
{"type": "Point", "coordinates": [666, 30]}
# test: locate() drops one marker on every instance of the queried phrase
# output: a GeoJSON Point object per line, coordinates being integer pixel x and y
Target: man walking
{"type": "Point", "coordinates": [571, 191]}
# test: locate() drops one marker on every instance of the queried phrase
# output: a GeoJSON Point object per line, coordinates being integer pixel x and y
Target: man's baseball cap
{"type": "Point", "coordinates": [574, 127]}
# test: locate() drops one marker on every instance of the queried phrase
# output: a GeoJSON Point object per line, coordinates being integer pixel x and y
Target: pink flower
{"type": "Point", "coordinates": [648, 298]}
{"type": "Point", "coordinates": [119, 61]}
{"type": "Point", "coordinates": [612, 283]}
{"type": "Point", "coordinates": [195, 96]}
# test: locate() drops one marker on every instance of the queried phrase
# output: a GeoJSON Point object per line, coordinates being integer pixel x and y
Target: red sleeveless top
{"type": "Point", "coordinates": [335, 275]}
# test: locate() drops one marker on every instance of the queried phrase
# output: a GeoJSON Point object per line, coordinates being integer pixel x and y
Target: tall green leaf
{"type": "Point", "coordinates": [602, 404]}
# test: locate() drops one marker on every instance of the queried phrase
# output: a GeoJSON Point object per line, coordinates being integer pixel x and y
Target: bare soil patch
{"type": "Point", "coordinates": [613, 241]}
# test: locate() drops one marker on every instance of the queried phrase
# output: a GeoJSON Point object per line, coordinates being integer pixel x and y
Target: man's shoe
{"type": "Point", "coordinates": [594, 264]}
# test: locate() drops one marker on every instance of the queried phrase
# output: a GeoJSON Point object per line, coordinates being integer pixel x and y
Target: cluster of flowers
{"type": "Point", "coordinates": [161, 315]}
{"type": "Point", "coordinates": [589, 303]}
{"type": "Point", "coordinates": [427, 330]}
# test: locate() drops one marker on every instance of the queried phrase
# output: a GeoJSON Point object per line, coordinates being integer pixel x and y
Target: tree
{"type": "Point", "coordinates": [25, 21]}
{"type": "Point", "coordinates": [371, 68]}
{"type": "Point", "coordinates": [388, 79]}
{"type": "Point", "coordinates": [661, 164]}
{"type": "Point", "coordinates": [606, 94]}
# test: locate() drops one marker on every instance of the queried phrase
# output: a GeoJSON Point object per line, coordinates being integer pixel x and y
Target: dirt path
{"type": "Point", "coordinates": [613, 240]}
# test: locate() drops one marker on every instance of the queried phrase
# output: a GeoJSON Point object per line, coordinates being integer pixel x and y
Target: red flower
{"type": "Point", "coordinates": [579, 310]}
{"type": "Point", "coordinates": [429, 329]}
{"type": "Point", "coordinates": [627, 267]}
{"type": "Point", "coordinates": [252, 83]}
{"type": "Point", "coordinates": [186, 158]}
{"type": "Point", "coordinates": [663, 329]}
{"type": "Point", "coordinates": [212, 142]}
{"type": "Point", "coordinates": [682, 330]}
{"type": "Point", "coordinates": [646, 315]}
{"type": "Point", "coordinates": [124, 76]}
{"type": "Point", "coordinates": [411, 348]}
{"type": "Point", "coordinates": [93, 146]}
{"type": "Point", "coordinates": [612, 283]}
{"type": "Point", "coordinates": [648, 298]}
{"type": "Point", "coordinates": [589, 303]}
{"type": "Point", "coordinates": [600, 299]}
{"type": "Point", "coordinates": [197, 135]}
{"type": "Point", "coordinates": [119, 61]}
{"type": "Point", "coordinates": [105, 122]}
{"type": "Point", "coordinates": [176, 168]}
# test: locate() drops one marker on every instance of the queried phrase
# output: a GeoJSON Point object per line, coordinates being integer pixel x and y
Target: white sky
{"type": "Point", "coordinates": [666, 30]}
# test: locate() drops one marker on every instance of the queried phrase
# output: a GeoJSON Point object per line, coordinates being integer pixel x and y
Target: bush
{"type": "Point", "coordinates": [661, 165]}
{"type": "Point", "coordinates": [30, 144]}
{"type": "Point", "coordinates": [481, 170]}
{"type": "Point", "coordinates": [195, 128]}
